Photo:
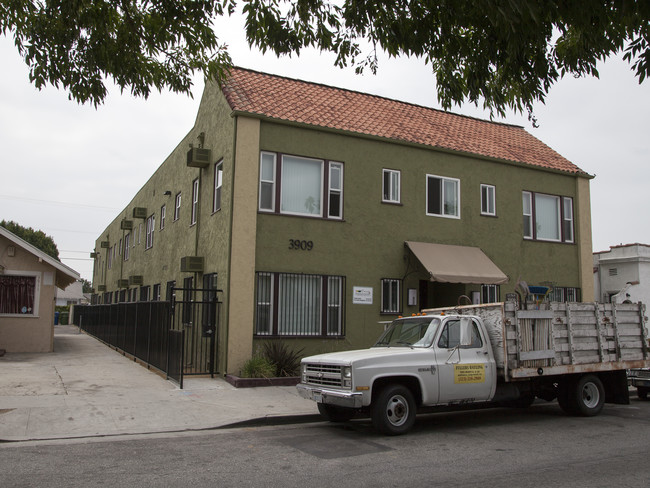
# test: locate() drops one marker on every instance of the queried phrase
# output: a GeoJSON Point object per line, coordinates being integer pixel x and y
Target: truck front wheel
{"type": "Point", "coordinates": [393, 411]}
{"type": "Point", "coordinates": [588, 396]}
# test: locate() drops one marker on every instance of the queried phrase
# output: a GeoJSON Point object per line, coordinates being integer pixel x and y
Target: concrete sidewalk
{"type": "Point", "coordinates": [86, 389]}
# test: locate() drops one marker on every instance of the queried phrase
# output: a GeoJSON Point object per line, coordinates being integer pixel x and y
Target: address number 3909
{"type": "Point", "coordinates": [300, 245]}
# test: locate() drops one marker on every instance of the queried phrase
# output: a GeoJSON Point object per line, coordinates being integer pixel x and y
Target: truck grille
{"type": "Point", "coordinates": [324, 375]}
{"type": "Point", "coordinates": [642, 374]}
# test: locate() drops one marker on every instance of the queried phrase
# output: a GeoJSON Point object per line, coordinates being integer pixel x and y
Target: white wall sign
{"type": "Point", "coordinates": [362, 295]}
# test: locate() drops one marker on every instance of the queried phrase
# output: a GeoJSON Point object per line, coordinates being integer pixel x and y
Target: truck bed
{"type": "Point", "coordinates": [562, 338]}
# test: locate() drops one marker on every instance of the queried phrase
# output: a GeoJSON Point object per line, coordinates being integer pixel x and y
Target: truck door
{"type": "Point", "coordinates": [466, 372]}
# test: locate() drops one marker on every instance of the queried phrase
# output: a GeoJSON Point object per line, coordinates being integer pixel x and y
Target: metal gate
{"type": "Point", "coordinates": [196, 311]}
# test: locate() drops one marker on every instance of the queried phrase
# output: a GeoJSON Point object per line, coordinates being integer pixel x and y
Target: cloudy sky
{"type": "Point", "coordinates": [68, 169]}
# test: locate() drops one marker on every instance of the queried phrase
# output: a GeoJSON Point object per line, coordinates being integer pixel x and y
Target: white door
{"type": "Point", "coordinates": [465, 373]}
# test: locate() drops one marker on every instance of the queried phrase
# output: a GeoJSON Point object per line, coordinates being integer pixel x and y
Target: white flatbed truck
{"type": "Point", "coordinates": [577, 353]}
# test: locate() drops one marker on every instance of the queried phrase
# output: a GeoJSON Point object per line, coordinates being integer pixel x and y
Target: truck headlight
{"type": "Point", "coordinates": [346, 372]}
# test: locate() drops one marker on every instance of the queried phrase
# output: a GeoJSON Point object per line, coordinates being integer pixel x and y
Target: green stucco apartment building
{"type": "Point", "coordinates": [323, 213]}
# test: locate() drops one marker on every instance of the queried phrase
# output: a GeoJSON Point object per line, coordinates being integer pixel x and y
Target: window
{"type": "Point", "coordinates": [195, 200]}
{"type": "Point", "coordinates": [443, 196]}
{"type": "Point", "coordinates": [110, 257]}
{"type": "Point", "coordinates": [177, 206]}
{"type": "Point", "coordinates": [567, 220]}
{"type": "Point", "coordinates": [127, 246]}
{"type": "Point", "coordinates": [565, 294]}
{"type": "Point", "coordinates": [19, 295]}
{"type": "Point", "coordinates": [547, 217]}
{"type": "Point", "coordinates": [299, 304]}
{"type": "Point", "coordinates": [188, 299]}
{"type": "Point", "coordinates": [335, 206]}
{"type": "Point", "coordinates": [218, 182]}
{"type": "Point", "coordinates": [163, 213]}
{"type": "Point", "coordinates": [391, 300]}
{"type": "Point", "coordinates": [144, 293]}
{"type": "Point", "coordinates": [390, 186]}
{"type": "Point", "coordinates": [139, 233]}
{"type": "Point", "coordinates": [489, 293]}
{"type": "Point", "coordinates": [170, 293]}
{"type": "Point", "coordinates": [267, 182]}
{"type": "Point", "coordinates": [488, 205]}
{"type": "Point", "coordinates": [296, 185]}
{"type": "Point", "coordinates": [156, 292]}
{"type": "Point", "coordinates": [450, 336]}
{"type": "Point", "coordinates": [151, 223]}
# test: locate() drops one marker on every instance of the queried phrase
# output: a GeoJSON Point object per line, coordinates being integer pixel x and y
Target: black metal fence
{"type": "Point", "coordinates": [177, 337]}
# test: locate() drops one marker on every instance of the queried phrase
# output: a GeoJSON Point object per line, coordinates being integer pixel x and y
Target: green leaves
{"type": "Point", "coordinates": [505, 53]}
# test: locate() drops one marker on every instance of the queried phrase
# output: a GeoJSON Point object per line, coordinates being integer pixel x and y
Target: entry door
{"type": "Point", "coordinates": [466, 373]}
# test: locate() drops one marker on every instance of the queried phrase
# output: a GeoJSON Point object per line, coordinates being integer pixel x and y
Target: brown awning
{"type": "Point", "coordinates": [457, 264]}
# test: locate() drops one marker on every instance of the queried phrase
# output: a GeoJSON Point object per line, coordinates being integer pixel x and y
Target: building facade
{"type": "Point", "coordinates": [322, 213]}
{"type": "Point", "coordinates": [622, 274]}
{"type": "Point", "coordinates": [29, 279]}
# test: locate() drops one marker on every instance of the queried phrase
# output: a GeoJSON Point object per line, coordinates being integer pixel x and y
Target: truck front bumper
{"type": "Point", "coordinates": [339, 398]}
{"type": "Point", "coordinates": [640, 382]}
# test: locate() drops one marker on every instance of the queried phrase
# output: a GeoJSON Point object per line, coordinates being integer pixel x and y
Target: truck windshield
{"type": "Point", "coordinates": [411, 332]}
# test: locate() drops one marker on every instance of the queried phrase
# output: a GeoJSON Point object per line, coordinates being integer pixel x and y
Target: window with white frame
{"type": "Point", "coordinates": [391, 298]}
{"type": "Point", "coordinates": [295, 185]}
{"type": "Point", "coordinates": [163, 214]}
{"type": "Point", "coordinates": [195, 201]}
{"type": "Point", "coordinates": [151, 224]}
{"type": "Point", "coordinates": [547, 217]}
{"type": "Point", "coordinates": [488, 200]}
{"type": "Point", "coordinates": [489, 293]}
{"type": "Point", "coordinates": [289, 304]}
{"type": "Point", "coordinates": [19, 294]}
{"type": "Point", "coordinates": [127, 246]}
{"type": "Point", "coordinates": [390, 186]}
{"type": "Point", "coordinates": [177, 206]}
{"type": "Point", "coordinates": [443, 196]}
{"type": "Point", "coordinates": [218, 182]}
{"type": "Point", "coordinates": [335, 202]}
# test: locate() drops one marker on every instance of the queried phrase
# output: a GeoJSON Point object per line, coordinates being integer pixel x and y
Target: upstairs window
{"type": "Point", "coordinates": [390, 186]}
{"type": "Point", "coordinates": [127, 246]}
{"type": "Point", "coordinates": [151, 223]}
{"type": "Point", "coordinates": [547, 217]}
{"type": "Point", "coordinates": [218, 181]}
{"type": "Point", "coordinates": [294, 185]}
{"type": "Point", "coordinates": [177, 206]}
{"type": "Point", "coordinates": [443, 197]}
{"type": "Point", "coordinates": [488, 200]}
{"type": "Point", "coordinates": [195, 201]}
{"type": "Point", "coordinates": [163, 213]}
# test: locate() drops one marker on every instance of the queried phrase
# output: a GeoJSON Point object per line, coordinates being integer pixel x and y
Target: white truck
{"type": "Point", "coordinates": [577, 353]}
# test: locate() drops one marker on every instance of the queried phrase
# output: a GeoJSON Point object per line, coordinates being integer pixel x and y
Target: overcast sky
{"type": "Point", "coordinates": [69, 169]}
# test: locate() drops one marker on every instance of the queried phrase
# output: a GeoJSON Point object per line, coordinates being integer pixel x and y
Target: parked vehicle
{"type": "Point", "coordinates": [640, 379]}
{"type": "Point", "coordinates": [577, 353]}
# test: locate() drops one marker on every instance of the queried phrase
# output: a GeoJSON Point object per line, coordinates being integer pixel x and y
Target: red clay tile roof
{"type": "Point", "coordinates": [319, 105]}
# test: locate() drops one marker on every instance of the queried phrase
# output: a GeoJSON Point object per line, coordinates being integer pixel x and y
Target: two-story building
{"type": "Point", "coordinates": [322, 212]}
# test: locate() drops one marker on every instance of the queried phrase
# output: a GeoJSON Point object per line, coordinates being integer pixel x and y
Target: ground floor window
{"type": "Point", "coordinates": [391, 297]}
{"type": "Point", "coordinates": [489, 293]}
{"type": "Point", "coordinates": [565, 294]}
{"type": "Point", "coordinates": [17, 295]}
{"type": "Point", "coordinates": [289, 304]}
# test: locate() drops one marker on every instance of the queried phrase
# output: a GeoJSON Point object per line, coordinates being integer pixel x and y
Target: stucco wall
{"type": "Point", "coordinates": [25, 333]}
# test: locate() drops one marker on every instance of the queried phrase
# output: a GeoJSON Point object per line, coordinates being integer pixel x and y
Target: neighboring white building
{"type": "Point", "coordinates": [623, 274]}
{"type": "Point", "coordinates": [72, 295]}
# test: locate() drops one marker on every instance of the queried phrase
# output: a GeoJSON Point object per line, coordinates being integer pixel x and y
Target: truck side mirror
{"type": "Point", "coordinates": [465, 331]}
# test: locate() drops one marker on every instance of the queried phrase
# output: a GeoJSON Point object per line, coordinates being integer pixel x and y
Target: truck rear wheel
{"type": "Point", "coordinates": [393, 411]}
{"type": "Point", "coordinates": [588, 396]}
{"type": "Point", "coordinates": [333, 413]}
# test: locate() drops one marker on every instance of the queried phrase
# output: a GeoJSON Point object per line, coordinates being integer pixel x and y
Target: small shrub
{"type": "Point", "coordinates": [286, 361]}
{"type": "Point", "coordinates": [258, 367]}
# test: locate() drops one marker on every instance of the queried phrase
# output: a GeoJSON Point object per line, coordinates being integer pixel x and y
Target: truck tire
{"type": "Point", "coordinates": [332, 413]}
{"type": "Point", "coordinates": [393, 411]}
{"type": "Point", "coordinates": [642, 392]}
{"type": "Point", "coordinates": [588, 396]}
